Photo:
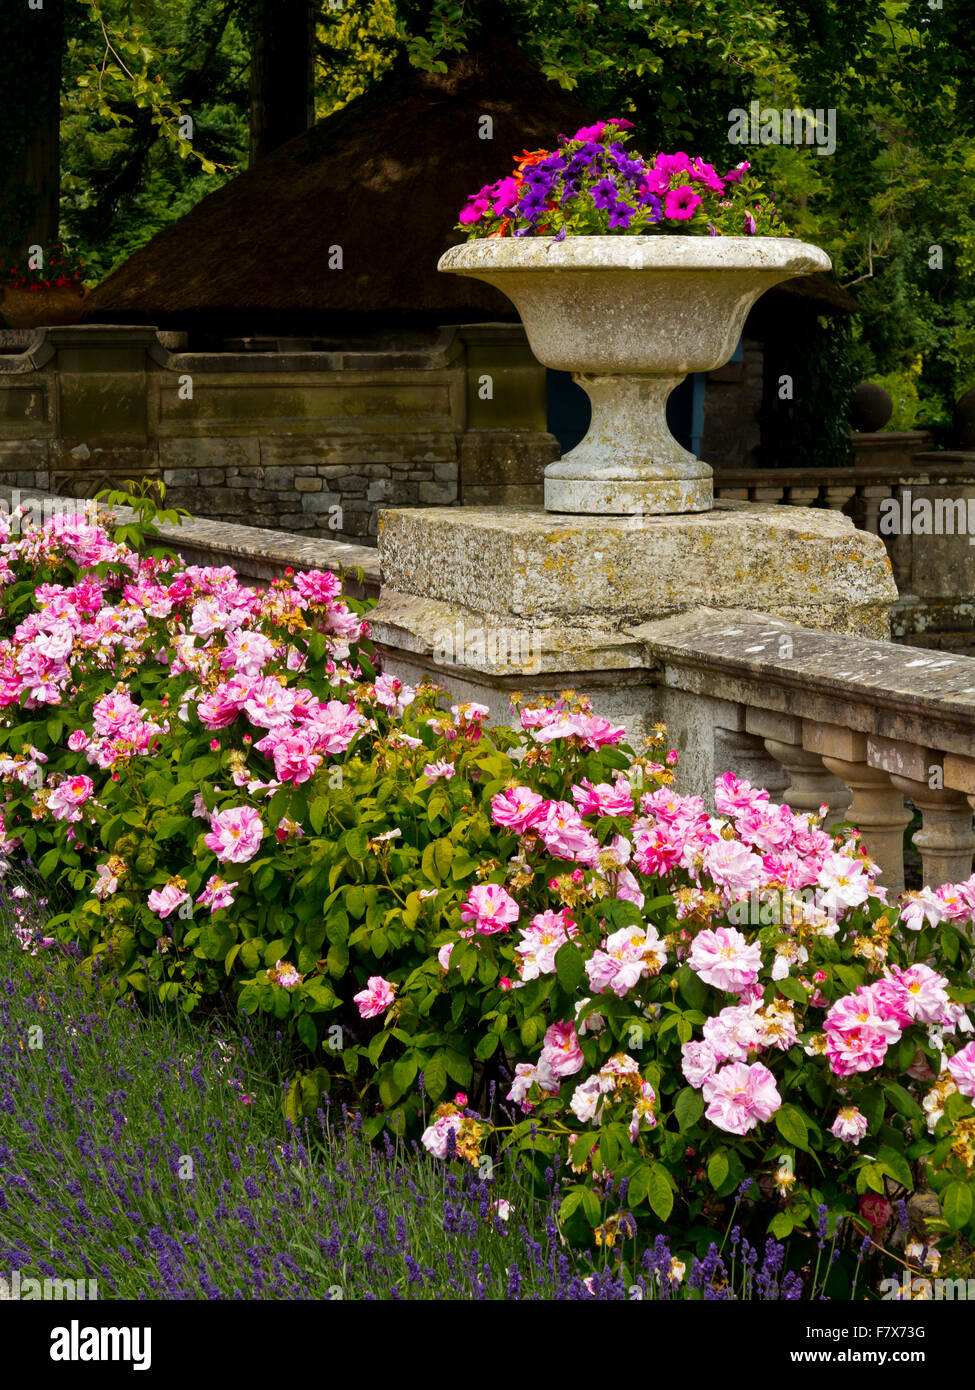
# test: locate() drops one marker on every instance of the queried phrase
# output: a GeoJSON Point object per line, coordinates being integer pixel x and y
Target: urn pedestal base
{"type": "Point", "coordinates": [627, 498]}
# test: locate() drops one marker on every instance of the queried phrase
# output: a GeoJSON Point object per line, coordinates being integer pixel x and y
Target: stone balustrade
{"type": "Point", "coordinates": [921, 502]}
{"type": "Point", "coordinates": [823, 717]}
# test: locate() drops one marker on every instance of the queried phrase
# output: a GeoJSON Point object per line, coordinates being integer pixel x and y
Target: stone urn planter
{"type": "Point", "coordinates": [43, 307]}
{"type": "Point", "coordinates": [629, 317]}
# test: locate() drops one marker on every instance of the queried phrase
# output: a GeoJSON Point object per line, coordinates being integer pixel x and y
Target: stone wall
{"type": "Point", "coordinates": [316, 442]}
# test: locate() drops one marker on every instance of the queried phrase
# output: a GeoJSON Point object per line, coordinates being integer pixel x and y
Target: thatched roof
{"type": "Point", "coordinates": [384, 179]}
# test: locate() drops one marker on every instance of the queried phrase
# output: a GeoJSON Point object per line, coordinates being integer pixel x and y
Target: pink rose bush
{"type": "Point", "coordinates": [662, 999]}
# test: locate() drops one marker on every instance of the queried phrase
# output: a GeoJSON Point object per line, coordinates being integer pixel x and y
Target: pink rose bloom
{"type": "Point", "coordinates": [436, 1137]}
{"type": "Point", "coordinates": [733, 795]}
{"type": "Point", "coordinates": [490, 908]}
{"type": "Point", "coordinates": [739, 1096]}
{"type": "Point", "coordinates": [528, 1075]}
{"type": "Point", "coordinates": [630, 954]}
{"type": "Point", "coordinates": [166, 900]}
{"type": "Point", "coordinates": [699, 1062]}
{"type": "Point", "coordinates": [433, 772]}
{"type": "Point", "coordinates": [962, 1069]}
{"type": "Point", "coordinates": [602, 800]}
{"type": "Point", "coordinates": [883, 1010]}
{"type": "Point", "coordinates": [78, 740]}
{"type": "Point", "coordinates": [443, 955]}
{"type": "Point", "coordinates": [235, 834]}
{"type": "Point", "coordinates": [724, 959]}
{"type": "Point", "coordinates": [876, 1209]}
{"type": "Point", "coordinates": [295, 758]}
{"type": "Point", "coordinates": [394, 694]}
{"type": "Point", "coordinates": [564, 834]}
{"type": "Point", "coordinates": [247, 652]}
{"type": "Point", "coordinates": [540, 943]}
{"type": "Point", "coordinates": [918, 908]}
{"type": "Point", "coordinates": [334, 726]}
{"type": "Point", "coordinates": [733, 866]}
{"type": "Point", "coordinates": [269, 703]}
{"type": "Point", "coordinates": [217, 894]}
{"type": "Point", "coordinates": [561, 1052]}
{"type": "Point", "coordinates": [924, 993]}
{"type": "Point", "coordinates": [318, 586]}
{"type": "Point", "coordinates": [223, 706]}
{"type": "Point", "coordinates": [287, 975]}
{"type": "Point", "coordinates": [517, 808]}
{"type": "Point", "coordinates": [68, 797]}
{"type": "Point", "coordinates": [375, 998]}
{"type": "Point", "coordinates": [850, 1124]}
{"type": "Point", "coordinates": [855, 1049]}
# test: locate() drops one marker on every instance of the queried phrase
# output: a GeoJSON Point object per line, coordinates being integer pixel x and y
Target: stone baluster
{"type": "Point", "coordinates": [960, 775]}
{"type": "Point", "coordinates": [873, 494]}
{"type": "Point", "coordinates": [878, 809]}
{"type": "Point", "coordinates": [837, 495]}
{"type": "Point", "coordinates": [802, 496]}
{"type": "Point", "coordinates": [946, 840]}
{"type": "Point", "coordinates": [810, 783]}
{"type": "Point", "coordinates": [735, 494]}
{"type": "Point", "coordinates": [767, 494]}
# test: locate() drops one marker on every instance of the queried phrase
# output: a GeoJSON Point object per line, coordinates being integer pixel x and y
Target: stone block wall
{"type": "Point", "coordinates": [314, 442]}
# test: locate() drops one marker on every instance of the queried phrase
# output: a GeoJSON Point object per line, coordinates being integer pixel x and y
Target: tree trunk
{"type": "Point", "coordinates": [282, 74]}
{"type": "Point", "coordinates": [31, 50]}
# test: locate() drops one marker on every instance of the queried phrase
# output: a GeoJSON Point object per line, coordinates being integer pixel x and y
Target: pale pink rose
{"type": "Point", "coordinates": [724, 959]}
{"type": "Point", "coordinates": [166, 900]}
{"type": "Point", "coordinates": [528, 1075]}
{"type": "Point", "coordinates": [733, 866]}
{"type": "Point", "coordinates": [376, 998]}
{"type": "Point", "coordinates": [631, 954]}
{"type": "Point", "coordinates": [68, 797]}
{"type": "Point", "coordinates": [443, 955]}
{"type": "Point", "coordinates": [699, 1062]}
{"type": "Point", "coordinates": [924, 991]}
{"type": "Point", "coordinates": [734, 796]}
{"type": "Point", "coordinates": [920, 908]}
{"type": "Point", "coordinates": [561, 1052]}
{"type": "Point", "coordinates": [286, 975]}
{"type": "Point", "coordinates": [540, 942]}
{"type": "Point", "coordinates": [962, 1069]}
{"type": "Point", "coordinates": [246, 652]}
{"type": "Point", "coordinates": [490, 908]}
{"type": "Point", "coordinates": [850, 1124]}
{"type": "Point", "coordinates": [394, 694]}
{"type": "Point", "coordinates": [236, 834]}
{"type": "Point", "coordinates": [433, 772]}
{"type": "Point", "coordinates": [106, 882]}
{"type": "Point", "coordinates": [741, 1096]}
{"type": "Point", "coordinates": [436, 1137]}
{"type": "Point", "coordinates": [217, 894]}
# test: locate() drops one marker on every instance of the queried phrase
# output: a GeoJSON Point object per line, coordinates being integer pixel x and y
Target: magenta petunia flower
{"type": "Point", "coordinates": [680, 203]}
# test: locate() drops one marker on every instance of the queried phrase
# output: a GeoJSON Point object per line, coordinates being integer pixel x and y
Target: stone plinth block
{"type": "Point", "coordinates": [508, 598]}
